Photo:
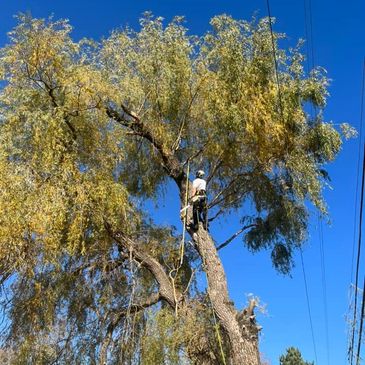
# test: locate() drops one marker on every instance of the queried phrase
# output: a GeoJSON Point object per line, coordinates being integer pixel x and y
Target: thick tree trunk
{"type": "Point", "coordinates": [243, 341]}
{"type": "Point", "coordinates": [241, 328]}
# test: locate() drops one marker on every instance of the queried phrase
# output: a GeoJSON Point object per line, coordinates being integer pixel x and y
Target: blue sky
{"type": "Point", "coordinates": [338, 40]}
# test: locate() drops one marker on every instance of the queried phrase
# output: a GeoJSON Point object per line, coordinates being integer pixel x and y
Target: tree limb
{"type": "Point", "coordinates": [215, 168]}
{"type": "Point", "coordinates": [154, 298]}
{"type": "Point", "coordinates": [132, 121]}
{"type": "Point", "coordinates": [227, 242]}
{"type": "Point", "coordinates": [152, 265]}
{"type": "Point", "coordinates": [225, 189]}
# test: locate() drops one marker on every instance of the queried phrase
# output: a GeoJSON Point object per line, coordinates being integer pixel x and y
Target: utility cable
{"type": "Point", "coordinates": [324, 286]}
{"type": "Point", "coordinates": [351, 344]}
{"type": "Point", "coordinates": [358, 167]}
{"type": "Point", "coordinates": [361, 325]}
{"type": "Point", "coordinates": [281, 111]}
{"type": "Point", "coordinates": [308, 305]}
{"type": "Point", "coordinates": [310, 39]}
{"type": "Point", "coordinates": [320, 225]}
{"type": "Point", "coordinates": [358, 256]}
{"type": "Point", "coordinates": [308, 21]}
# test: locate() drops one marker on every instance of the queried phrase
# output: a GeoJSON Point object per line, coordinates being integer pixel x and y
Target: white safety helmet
{"type": "Point", "coordinates": [200, 173]}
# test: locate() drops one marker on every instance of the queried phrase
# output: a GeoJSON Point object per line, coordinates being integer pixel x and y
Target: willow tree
{"type": "Point", "coordinates": [90, 131]}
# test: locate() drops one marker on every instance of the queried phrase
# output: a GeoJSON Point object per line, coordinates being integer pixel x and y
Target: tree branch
{"type": "Point", "coordinates": [176, 144]}
{"type": "Point", "coordinates": [227, 242]}
{"type": "Point", "coordinates": [154, 298]}
{"type": "Point", "coordinates": [152, 265]}
{"type": "Point", "coordinates": [225, 189]}
{"type": "Point", "coordinates": [50, 90]}
{"type": "Point", "coordinates": [132, 121]}
{"type": "Point", "coordinates": [215, 168]}
{"type": "Point", "coordinates": [220, 211]}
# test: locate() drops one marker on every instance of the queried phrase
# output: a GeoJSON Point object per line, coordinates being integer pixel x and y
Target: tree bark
{"type": "Point", "coordinates": [243, 339]}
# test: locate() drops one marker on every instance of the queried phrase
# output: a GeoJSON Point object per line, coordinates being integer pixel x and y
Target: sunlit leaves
{"type": "Point", "coordinates": [69, 170]}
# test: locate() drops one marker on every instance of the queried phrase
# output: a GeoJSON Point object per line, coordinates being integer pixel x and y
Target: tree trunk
{"type": "Point", "coordinates": [241, 329]}
{"type": "Point", "coordinates": [243, 341]}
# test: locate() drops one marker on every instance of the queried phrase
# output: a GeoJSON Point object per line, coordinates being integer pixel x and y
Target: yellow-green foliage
{"type": "Point", "coordinates": [68, 169]}
{"type": "Point", "coordinates": [177, 340]}
{"type": "Point", "coordinates": [58, 151]}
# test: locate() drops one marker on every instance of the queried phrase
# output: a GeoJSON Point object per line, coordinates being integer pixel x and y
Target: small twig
{"type": "Point", "coordinates": [215, 168]}
{"type": "Point", "coordinates": [196, 154]}
{"type": "Point", "coordinates": [226, 188]}
{"type": "Point", "coordinates": [190, 281]}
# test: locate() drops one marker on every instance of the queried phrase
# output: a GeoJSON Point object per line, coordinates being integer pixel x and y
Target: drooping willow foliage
{"type": "Point", "coordinates": [68, 172]}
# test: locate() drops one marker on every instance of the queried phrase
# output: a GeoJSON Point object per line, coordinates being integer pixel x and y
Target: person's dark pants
{"type": "Point", "coordinates": [200, 212]}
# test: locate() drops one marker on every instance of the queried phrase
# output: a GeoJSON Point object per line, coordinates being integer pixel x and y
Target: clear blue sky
{"type": "Point", "coordinates": [338, 34]}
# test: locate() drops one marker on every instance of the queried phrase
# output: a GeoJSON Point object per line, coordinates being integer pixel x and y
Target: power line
{"type": "Point", "coordinates": [324, 285]}
{"type": "Point", "coordinates": [351, 350]}
{"type": "Point", "coordinates": [309, 31]}
{"type": "Point", "coordinates": [361, 324]}
{"type": "Point", "coordinates": [308, 21]}
{"type": "Point", "coordinates": [308, 305]}
{"type": "Point", "coordinates": [358, 168]}
{"type": "Point", "coordinates": [281, 111]}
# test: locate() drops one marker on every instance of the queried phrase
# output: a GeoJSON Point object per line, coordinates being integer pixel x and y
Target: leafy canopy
{"type": "Point", "coordinates": [67, 168]}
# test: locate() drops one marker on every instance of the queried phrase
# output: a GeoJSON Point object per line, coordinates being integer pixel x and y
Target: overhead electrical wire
{"type": "Point", "coordinates": [361, 325]}
{"type": "Point", "coordinates": [308, 305]}
{"type": "Point", "coordinates": [308, 21]}
{"type": "Point", "coordinates": [324, 286]}
{"type": "Point", "coordinates": [310, 59]}
{"type": "Point", "coordinates": [281, 112]}
{"type": "Point", "coordinates": [358, 169]}
{"type": "Point", "coordinates": [351, 349]}
{"type": "Point", "coordinates": [358, 258]}
{"type": "Point", "coordinates": [275, 58]}
{"type": "Point", "coordinates": [309, 31]}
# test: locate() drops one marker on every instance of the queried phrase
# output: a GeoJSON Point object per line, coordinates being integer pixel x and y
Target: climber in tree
{"type": "Point", "coordinates": [199, 199]}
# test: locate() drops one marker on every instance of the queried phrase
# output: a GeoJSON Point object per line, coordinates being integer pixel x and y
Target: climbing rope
{"type": "Point", "coordinates": [218, 333]}
{"type": "Point", "coordinates": [174, 272]}
{"type": "Point", "coordinates": [182, 251]}
{"type": "Point", "coordinates": [216, 324]}
{"type": "Point", "coordinates": [182, 244]}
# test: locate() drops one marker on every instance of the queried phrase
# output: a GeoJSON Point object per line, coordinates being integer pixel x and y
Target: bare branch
{"type": "Point", "coordinates": [50, 90]}
{"type": "Point", "coordinates": [196, 154]}
{"type": "Point", "coordinates": [225, 189]}
{"type": "Point", "coordinates": [227, 242]}
{"type": "Point", "coordinates": [215, 168]}
{"type": "Point", "coordinates": [220, 211]}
